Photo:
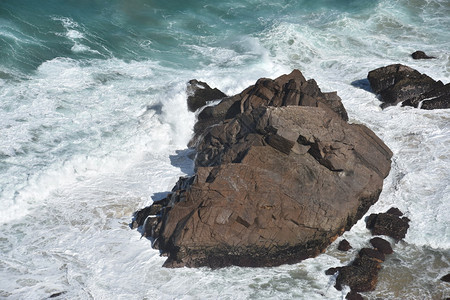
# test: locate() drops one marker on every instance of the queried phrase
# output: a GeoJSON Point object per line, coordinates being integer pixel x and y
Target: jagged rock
{"type": "Point", "coordinates": [332, 271]}
{"type": "Point", "coordinates": [274, 184]}
{"type": "Point", "coordinates": [362, 274]}
{"type": "Point", "coordinates": [421, 55]}
{"type": "Point", "coordinates": [381, 245]}
{"type": "Point", "coordinates": [389, 224]}
{"type": "Point", "coordinates": [397, 83]}
{"type": "Point", "coordinates": [446, 278]}
{"type": "Point", "coordinates": [344, 245]}
{"type": "Point", "coordinates": [352, 295]}
{"type": "Point", "coordinates": [286, 90]}
{"type": "Point", "coordinates": [394, 211]}
{"type": "Point", "coordinates": [199, 93]}
{"type": "Point", "coordinates": [437, 98]}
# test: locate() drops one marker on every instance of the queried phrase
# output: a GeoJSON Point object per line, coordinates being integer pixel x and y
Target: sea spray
{"type": "Point", "coordinates": [90, 134]}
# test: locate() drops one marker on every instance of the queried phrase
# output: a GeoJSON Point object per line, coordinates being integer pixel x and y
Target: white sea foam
{"type": "Point", "coordinates": [87, 142]}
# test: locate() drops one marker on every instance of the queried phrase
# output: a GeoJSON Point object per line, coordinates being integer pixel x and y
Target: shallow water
{"type": "Point", "coordinates": [94, 125]}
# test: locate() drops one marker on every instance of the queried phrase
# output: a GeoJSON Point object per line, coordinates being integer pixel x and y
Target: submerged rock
{"type": "Point", "coordinates": [421, 55]}
{"type": "Point", "coordinates": [362, 274]}
{"type": "Point", "coordinates": [381, 245]}
{"type": "Point", "coordinates": [279, 175]}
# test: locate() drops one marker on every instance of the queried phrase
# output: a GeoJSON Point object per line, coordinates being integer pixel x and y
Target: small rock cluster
{"type": "Point", "coordinates": [362, 274]}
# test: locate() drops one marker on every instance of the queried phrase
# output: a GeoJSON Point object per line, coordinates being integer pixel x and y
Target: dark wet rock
{"type": "Point", "coordinates": [446, 278]}
{"type": "Point", "coordinates": [373, 254]}
{"type": "Point", "coordinates": [332, 271]}
{"type": "Point", "coordinates": [389, 224]}
{"type": "Point", "coordinates": [55, 295]}
{"type": "Point", "coordinates": [280, 174]}
{"type": "Point", "coordinates": [381, 245]}
{"type": "Point", "coordinates": [438, 98]}
{"type": "Point", "coordinates": [344, 245]}
{"type": "Point", "coordinates": [398, 83]}
{"type": "Point", "coordinates": [394, 211]}
{"type": "Point", "coordinates": [200, 93]}
{"type": "Point", "coordinates": [362, 274]}
{"type": "Point", "coordinates": [421, 55]}
{"type": "Point", "coordinates": [352, 295]}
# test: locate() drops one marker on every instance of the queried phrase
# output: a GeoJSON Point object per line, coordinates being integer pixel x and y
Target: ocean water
{"type": "Point", "coordinates": [94, 125]}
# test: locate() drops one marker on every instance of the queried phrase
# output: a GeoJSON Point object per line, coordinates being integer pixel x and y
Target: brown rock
{"type": "Point", "coordinates": [381, 245]}
{"type": "Point", "coordinates": [274, 184]}
{"type": "Point", "coordinates": [287, 90]}
{"type": "Point", "coordinates": [388, 224]}
{"type": "Point", "coordinates": [344, 245]}
{"type": "Point", "coordinates": [199, 93]}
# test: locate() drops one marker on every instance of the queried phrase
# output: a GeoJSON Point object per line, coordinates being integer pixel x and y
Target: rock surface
{"type": "Point", "coordinates": [286, 90]}
{"type": "Point", "coordinates": [389, 223]}
{"type": "Point", "coordinates": [421, 55]}
{"type": "Point", "coordinates": [353, 296]}
{"type": "Point", "coordinates": [362, 274]}
{"type": "Point", "coordinates": [381, 245]}
{"type": "Point", "coordinates": [446, 278]}
{"type": "Point", "coordinates": [279, 175]}
{"type": "Point", "coordinates": [398, 83]}
{"type": "Point", "coordinates": [200, 93]}
{"type": "Point", "coordinates": [344, 245]}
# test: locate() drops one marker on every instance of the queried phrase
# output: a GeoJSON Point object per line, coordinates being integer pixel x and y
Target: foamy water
{"type": "Point", "coordinates": [94, 125]}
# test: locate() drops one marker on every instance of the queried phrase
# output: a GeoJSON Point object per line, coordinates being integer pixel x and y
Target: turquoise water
{"type": "Point", "coordinates": [94, 124]}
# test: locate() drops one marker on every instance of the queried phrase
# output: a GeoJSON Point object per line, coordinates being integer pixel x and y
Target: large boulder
{"type": "Point", "coordinates": [398, 83]}
{"type": "Point", "coordinates": [275, 182]}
